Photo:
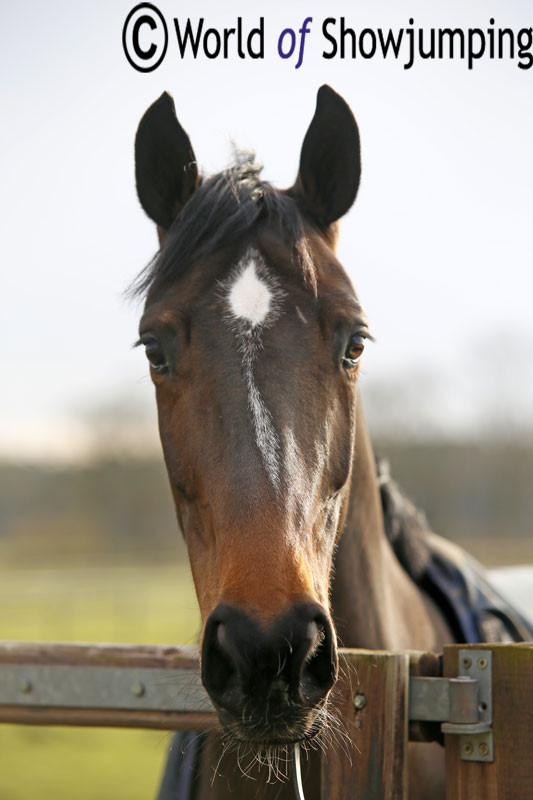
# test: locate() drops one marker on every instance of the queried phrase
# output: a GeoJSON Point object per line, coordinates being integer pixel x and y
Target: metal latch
{"type": "Point", "coordinates": [463, 705]}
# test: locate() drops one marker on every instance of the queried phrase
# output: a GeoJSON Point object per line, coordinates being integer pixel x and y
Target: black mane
{"type": "Point", "coordinates": [224, 209]}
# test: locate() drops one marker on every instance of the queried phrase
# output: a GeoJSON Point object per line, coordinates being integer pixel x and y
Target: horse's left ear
{"type": "Point", "coordinates": [330, 161]}
{"type": "Point", "coordinates": [165, 166]}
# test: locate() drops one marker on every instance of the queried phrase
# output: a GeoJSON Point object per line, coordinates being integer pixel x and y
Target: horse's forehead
{"type": "Point", "coordinates": [250, 283]}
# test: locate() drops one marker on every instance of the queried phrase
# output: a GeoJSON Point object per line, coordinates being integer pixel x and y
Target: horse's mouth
{"type": "Point", "coordinates": [282, 735]}
{"type": "Point", "coordinates": [274, 742]}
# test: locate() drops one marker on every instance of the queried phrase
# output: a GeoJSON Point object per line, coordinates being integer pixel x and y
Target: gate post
{"type": "Point", "coordinates": [371, 700]}
{"type": "Point", "coordinates": [509, 775]}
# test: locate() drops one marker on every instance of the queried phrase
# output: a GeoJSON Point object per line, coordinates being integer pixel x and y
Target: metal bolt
{"type": "Point", "coordinates": [467, 662]}
{"type": "Point", "coordinates": [138, 689]}
{"type": "Point", "coordinates": [25, 686]}
{"type": "Point", "coordinates": [482, 663]}
{"type": "Point", "coordinates": [468, 749]}
{"type": "Point", "coordinates": [359, 701]}
{"type": "Point", "coordinates": [483, 749]}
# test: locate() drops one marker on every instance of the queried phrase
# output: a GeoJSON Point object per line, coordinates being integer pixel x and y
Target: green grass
{"type": "Point", "coordinates": [108, 604]}
{"type": "Point", "coordinates": [80, 764]}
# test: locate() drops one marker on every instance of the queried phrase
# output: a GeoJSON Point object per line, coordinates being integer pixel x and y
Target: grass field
{"type": "Point", "coordinates": [106, 604]}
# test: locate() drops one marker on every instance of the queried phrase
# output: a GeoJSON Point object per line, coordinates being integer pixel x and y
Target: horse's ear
{"type": "Point", "coordinates": [165, 166]}
{"type": "Point", "coordinates": [330, 161]}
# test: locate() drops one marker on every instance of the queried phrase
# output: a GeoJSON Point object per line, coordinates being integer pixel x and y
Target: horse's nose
{"type": "Point", "coordinates": [249, 670]}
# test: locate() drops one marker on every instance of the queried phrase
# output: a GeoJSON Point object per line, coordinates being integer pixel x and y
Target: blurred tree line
{"type": "Point", "coordinates": [117, 507]}
{"type": "Point", "coordinates": [105, 507]}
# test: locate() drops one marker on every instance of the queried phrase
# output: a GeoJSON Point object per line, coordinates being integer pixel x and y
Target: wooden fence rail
{"type": "Point", "coordinates": [480, 695]}
{"type": "Point", "coordinates": [119, 686]}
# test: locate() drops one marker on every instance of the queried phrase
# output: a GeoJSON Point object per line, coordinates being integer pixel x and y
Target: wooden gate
{"type": "Point", "coordinates": [479, 698]}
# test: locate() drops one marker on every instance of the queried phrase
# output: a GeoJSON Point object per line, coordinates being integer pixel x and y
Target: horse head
{"type": "Point", "coordinates": [254, 336]}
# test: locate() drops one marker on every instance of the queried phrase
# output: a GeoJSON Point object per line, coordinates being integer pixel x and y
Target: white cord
{"type": "Point", "coordinates": [297, 772]}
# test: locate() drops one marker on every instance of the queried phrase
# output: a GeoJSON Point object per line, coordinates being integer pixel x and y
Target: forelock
{"type": "Point", "coordinates": [223, 211]}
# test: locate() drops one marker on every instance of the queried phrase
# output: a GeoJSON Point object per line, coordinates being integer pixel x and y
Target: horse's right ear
{"type": "Point", "coordinates": [330, 161]}
{"type": "Point", "coordinates": [165, 167]}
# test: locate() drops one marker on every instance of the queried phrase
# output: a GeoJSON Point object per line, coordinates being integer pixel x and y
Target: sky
{"type": "Point", "coordinates": [438, 243]}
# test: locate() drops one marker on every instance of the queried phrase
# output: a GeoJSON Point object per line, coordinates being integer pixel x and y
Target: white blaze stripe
{"type": "Point", "coordinates": [265, 435]}
{"type": "Point", "coordinates": [252, 299]}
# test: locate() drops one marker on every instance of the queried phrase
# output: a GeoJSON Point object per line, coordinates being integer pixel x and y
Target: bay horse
{"type": "Point", "coordinates": [255, 339]}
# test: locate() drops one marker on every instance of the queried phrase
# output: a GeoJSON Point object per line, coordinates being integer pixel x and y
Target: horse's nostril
{"type": "Point", "coordinates": [222, 636]}
{"type": "Point", "coordinates": [320, 667]}
{"type": "Point", "coordinates": [218, 665]}
{"type": "Point", "coordinates": [312, 630]}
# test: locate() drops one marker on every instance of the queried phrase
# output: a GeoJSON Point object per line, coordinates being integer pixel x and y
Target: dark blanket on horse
{"type": "Point", "coordinates": [474, 610]}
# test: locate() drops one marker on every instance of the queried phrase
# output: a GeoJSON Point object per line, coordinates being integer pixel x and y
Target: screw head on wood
{"type": "Point", "coordinates": [359, 701]}
{"type": "Point", "coordinates": [467, 748]}
{"type": "Point", "coordinates": [483, 749]}
{"type": "Point", "coordinates": [137, 689]}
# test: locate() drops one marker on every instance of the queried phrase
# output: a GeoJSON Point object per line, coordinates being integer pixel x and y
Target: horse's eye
{"type": "Point", "coordinates": [353, 351]}
{"type": "Point", "coordinates": [155, 356]}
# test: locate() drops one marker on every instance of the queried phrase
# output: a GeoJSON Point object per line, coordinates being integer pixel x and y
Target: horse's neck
{"type": "Point", "coordinates": [375, 603]}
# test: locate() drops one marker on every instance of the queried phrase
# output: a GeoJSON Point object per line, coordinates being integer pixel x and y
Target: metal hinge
{"type": "Point", "coordinates": [462, 705]}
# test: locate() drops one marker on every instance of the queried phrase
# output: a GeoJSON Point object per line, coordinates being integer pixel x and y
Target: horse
{"type": "Point", "coordinates": [255, 338]}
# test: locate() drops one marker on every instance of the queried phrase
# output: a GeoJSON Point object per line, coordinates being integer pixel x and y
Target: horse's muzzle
{"type": "Point", "coordinates": [266, 684]}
